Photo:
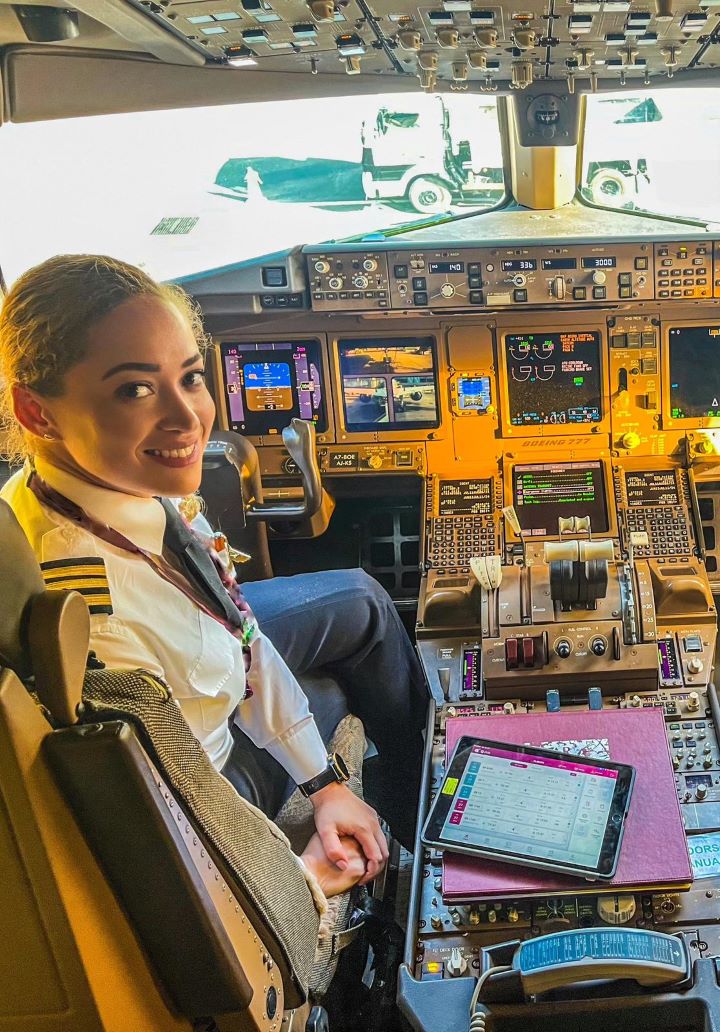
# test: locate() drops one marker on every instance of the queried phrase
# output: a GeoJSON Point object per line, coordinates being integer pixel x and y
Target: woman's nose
{"type": "Point", "coordinates": [179, 414]}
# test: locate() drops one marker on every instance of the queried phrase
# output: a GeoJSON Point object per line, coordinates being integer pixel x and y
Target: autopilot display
{"type": "Point", "coordinates": [553, 378]}
{"type": "Point", "coordinates": [389, 384]}
{"type": "Point", "coordinates": [543, 493]}
{"type": "Point", "coordinates": [268, 383]}
{"type": "Point", "coordinates": [694, 371]}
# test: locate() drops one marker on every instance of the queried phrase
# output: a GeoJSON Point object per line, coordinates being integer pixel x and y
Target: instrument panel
{"type": "Point", "coordinates": [506, 277]}
{"type": "Point", "coordinates": [559, 408]}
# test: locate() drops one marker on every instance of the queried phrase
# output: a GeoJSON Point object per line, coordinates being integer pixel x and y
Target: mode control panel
{"type": "Point", "coordinates": [683, 270]}
{"type": "Point", "coordinates": [356, 281]}
{"type": "Point", "coordinates": [585, 272]}
{"type": "Point", "coordinates": [490, 277]}
{"type": "Point", "coordinates": [436, 279]}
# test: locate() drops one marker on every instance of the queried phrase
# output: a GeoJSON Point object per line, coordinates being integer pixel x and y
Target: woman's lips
{"type": "Point", "coordinates": [174, 458]}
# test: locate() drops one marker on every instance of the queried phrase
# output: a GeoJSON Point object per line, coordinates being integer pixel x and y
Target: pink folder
{"type": "Point", "coordinates": [654, 850]}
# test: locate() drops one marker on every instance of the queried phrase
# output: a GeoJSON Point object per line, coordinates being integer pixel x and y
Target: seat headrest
{"type": "Point", "coordinates": [21, 581]}
{"type": "Point", "coordinates": [43, 633]}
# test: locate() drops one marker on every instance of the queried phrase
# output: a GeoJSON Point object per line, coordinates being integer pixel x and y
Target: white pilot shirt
{"type": "Point", "coordinates": [154, 626]}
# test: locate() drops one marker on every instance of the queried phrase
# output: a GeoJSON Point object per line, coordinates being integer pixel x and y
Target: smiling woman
{"type": "Point", "coordinates": [104, 381]}
{"type": "Point", "coordinates": [64, 347]}
{"type": "Point", "coordinates": [139, 426]}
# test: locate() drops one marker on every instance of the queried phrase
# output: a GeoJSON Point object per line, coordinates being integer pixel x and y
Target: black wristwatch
{"type": "Point", "coordinates": [336, 770]}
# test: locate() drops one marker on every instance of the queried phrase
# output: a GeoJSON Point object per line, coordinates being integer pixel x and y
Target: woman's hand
{"type": "Point", "coordinates": [339, 813]}
{"type": "Point", "coordinates": [332, 879]}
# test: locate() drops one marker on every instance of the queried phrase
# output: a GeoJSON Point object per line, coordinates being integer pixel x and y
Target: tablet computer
{"type": "Point", "coordinates": [530, 806]}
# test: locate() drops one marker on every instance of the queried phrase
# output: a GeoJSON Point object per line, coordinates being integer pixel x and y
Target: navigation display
{"type": "Point", "coordinates": [553, 378]}
{"type": "Point", "coordinates": [465, 498]}
{"type": "Point", "coordinates": [268, 383]}
{"type": "Point", "coordinates": [542, 493]}
{"type": "Point", "coordinates": [651, 487]}
{"type": "Point", "coordinates": [694, 372]}
{"type": "Point", "coordinates": [389, 384]}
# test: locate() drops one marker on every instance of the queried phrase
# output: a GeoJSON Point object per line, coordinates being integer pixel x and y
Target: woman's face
{"type": "Point", "coordinates": [135, 414]}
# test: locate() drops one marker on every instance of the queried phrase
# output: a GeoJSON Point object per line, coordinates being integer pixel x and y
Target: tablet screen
{"type": "Point", "coordinates": [532, 806]}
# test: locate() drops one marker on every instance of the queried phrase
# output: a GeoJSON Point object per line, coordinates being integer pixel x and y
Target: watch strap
{"type": "Point", "coordinates": [336, 771]}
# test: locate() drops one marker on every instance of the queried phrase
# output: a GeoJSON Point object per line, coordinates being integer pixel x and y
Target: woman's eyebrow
{"type": "Point", "coordinates": [147, 367]}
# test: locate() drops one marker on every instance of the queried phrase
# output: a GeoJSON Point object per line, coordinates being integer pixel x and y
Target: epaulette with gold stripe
{"type": "Point", "coordinates": [86, 575]}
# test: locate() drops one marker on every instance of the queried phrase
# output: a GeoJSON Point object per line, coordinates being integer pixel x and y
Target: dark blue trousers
{"type": "Point", "coordinates": [344, 623]}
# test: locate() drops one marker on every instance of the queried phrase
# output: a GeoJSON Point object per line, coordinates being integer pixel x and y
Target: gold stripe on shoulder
{"type": "Point", "coordinates": [94, 561]}
{"type": "Point", "coordinates": [91, 576]}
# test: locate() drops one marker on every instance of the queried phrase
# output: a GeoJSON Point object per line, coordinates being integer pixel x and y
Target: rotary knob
{"type": "Point", "coordinates": [335, 282]}
{"type": "Point", "coordinates": [563, 648]}
{"type": "Point", "coordinates": [630, 440]}
{"type": "Point", "coordinates": [360, 282]}
{"type": "Point", "coordinates": [701, 792]}
{"type": "Point", "coordinates": [375, 461]}
{"type": "Point", "coordinates": [704, 446]}
{"type": "Point", "coordinates": [616, 910]}
{"type": "Point", "coordinates": [369, 265]}
{"type": "Point", "coordinates": [457, 965]}
{"type": "Point", "coordinates": [519, 280]}
{"type": "Point", "coordinates": [558, 287]}
{"type": "Point", "coordinates": [447, 290]}
{"type": "Point", "coordinates": [599, 277]}
{"type": "Point", "coordinates": [322, 266]}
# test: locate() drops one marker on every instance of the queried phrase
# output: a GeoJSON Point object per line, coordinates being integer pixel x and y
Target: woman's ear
{"type": "Point", "coordinates": [31, 412]}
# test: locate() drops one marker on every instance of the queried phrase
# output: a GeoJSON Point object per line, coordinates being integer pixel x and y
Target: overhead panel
{"type": "Point", "coordinates": [461, 43]}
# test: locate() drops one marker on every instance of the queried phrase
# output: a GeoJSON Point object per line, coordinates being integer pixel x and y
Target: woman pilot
{"type": "Point", "coordinates": [105, 396]}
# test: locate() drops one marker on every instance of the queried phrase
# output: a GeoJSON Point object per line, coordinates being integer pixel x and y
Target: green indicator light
{"type": "Point", "coordinates": [579, 381]}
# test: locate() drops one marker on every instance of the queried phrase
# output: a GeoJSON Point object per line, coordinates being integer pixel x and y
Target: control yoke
{"type": "Point", "coordinates": [299, 439]}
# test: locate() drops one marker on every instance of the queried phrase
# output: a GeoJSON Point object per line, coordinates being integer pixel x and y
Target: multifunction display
{"type": "Point", "coordinates": [389, 384]}
{"type": "Point", "coordinates": [543, 493]}
{"type": "Point", "coordinates": [268, 383]}
{"type": "Point", "coordinates": [694, 372]}
{"type": "Point", "coordinates": [465, 498]}
{"type": "Point", "coordinates": [651, 487]}
{"type": "Point", "coordinates": [553, 378]}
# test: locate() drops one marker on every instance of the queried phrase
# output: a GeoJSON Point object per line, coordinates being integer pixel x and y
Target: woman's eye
{"type": "Point", "coordinates": [135, 390]}
{"type": "Point", "coordinates": [195, 378]}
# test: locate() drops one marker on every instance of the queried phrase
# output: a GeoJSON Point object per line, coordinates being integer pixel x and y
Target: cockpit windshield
{"type": "Point", "coordinates": [181, 192]}
{"type": "Point", "coordinates": [654, 151]}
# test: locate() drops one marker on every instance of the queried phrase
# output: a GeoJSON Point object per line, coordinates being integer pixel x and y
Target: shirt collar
{"type": "Point", "coordinates": [141, 520]}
